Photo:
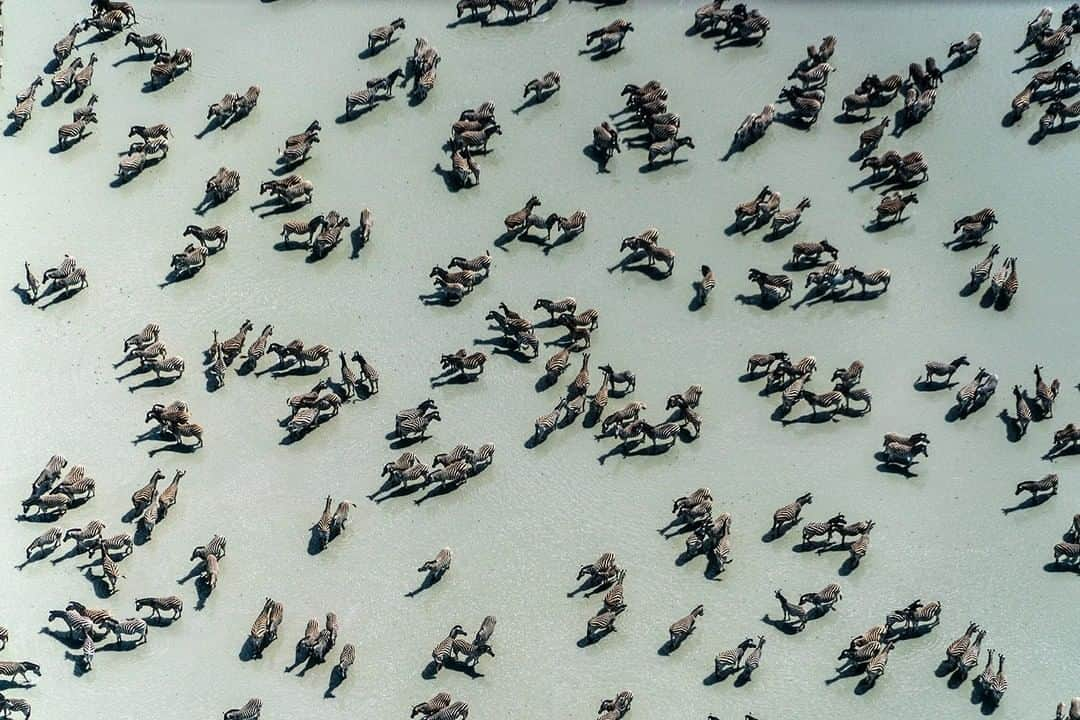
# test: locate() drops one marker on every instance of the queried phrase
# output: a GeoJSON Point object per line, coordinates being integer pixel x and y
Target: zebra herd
{"type": "Point", "coordinates": [65, 279]}
{"type": "Point", "coordinates": [456, 651]}
{"type": "Point", "coordinates": [647, 108]}
{"type": "Point", "coordinates": [791, 378]}
{"type": "Point", "coordinates": [449, 469]}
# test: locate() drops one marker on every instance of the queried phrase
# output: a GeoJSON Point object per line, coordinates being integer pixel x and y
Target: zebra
{"type": "Point", "coordinates": [893, 206]}
{"type": "Point", "coordinates": [1045, 395]}
{"type": "Point", "coordinates": [869, 139]}
{"type": "Point", "coordinates": [76, 483]}
{"type": "Point", "coordinates": [73, 131]}
{"type": "Point", "coordinates": [295, 153]}
{"type": "Point", "coordinates": [918, 612]}
{"type": "Point", "coordinates": [460, 452]}
{"type": "Point", "coordinates": [110, 570]}
{"type": "Point", "coordinates": [682, 627]}
{"type": "Point", "coordinates": [517, 221]}
{"type": "Point", "coordinates": [774, 287]}
{"type": "Point", "coordinates": [438, 702]}
{"type": "Point", "coordinates": [246, 103]}
{"type": "Point", "coordinates": [817, 529]}
{"type": "Point", "coordinates": [826, 597]}
{"type": "Point", "coordinates": [957, 648]}
{"type": "Point", "coordinates": [341, 517]}
{"type": "Point", "coordinates": [63, 47]}
{"type": "Point", "coordinates": [619, 705]}
{"type": "Point", "coordinates": [131, 626]}
{"type": "Point", "coordinates": [981, 271]}
{"type": "Point", "coordinates": [84, 534]}
{"type": "Point", "coordinates": [471, 651]}
{"type": "Point", "coordinates": [76, 622]}
{"type": "Point", "coordinates": [580, 384]}
{"type": "Point", "coordinates": [159, 604]}
{"type": "Point", "coordinates": [190, 260]}
{"type": "Point", "coordinates": [1051, 43]}
{"type": "Point", "coordinates": [606, 140]}
{"type": "Point", "coordinates": [728, 661]}
{"type": "Point", "coordinates": [1070, 551]}
{"type": "Point", "coordinates": [967, 48]}
{"type": "Point", "coordinates": [84, 77]}
{"type": "Point", "coordinates": [876, 667]}
{"type": "Point", "coordinates": [811, 251]}
{"type": "Point", "coordinates": [86, 110]}
{"type": "Point", "coordinates": [346, 659]}
{"type": "Point", "coordinates": [251, 710]}
{"type": "Point", "coordinates": [451, 475]}
{"type": "Point", "coordinates": [215, 233]}
{"type": "Point", "coordinates": [567, 305]}
{"type": "Point", "coordinates": [48, 503]}
{"type": "Point", "coordinates": [557, 364]}
{"type": "Point", "coordinates": [20, 669]}
{"type": "Point", "coordinates": [816, 76]}
{"type": "Point", "coordinates": [573, 225]}
{"type": "Point", "coordinates": [441, 653]}
{"type": "Point", "coordinates": [322, 527]}
{"type": "Point", "coordinates": [172, 363]}
{"type": "Point", "coordinates": [223, 108]}
{"type": "Point", "coordinates": [545, 424]}
{"type": "Point", "coordinates": [603, 569]}
{"type": "Point", "coordinates": [792, 612]}
{"type": "Point", "coordinates": [789, 514]}
{"type": "Point", "coordinates": [664, 431]}
{"type": "Point", "coordinates": [415, 413]}
{"type": "Point", "coordinates": [688, 398]}
{"type": "Point", "coordinates": [7, 705]}
{"type": "Point", "coordinates": [878, 277]}
{"type": "Point", "coordinates": [23, 109]}
{"type": "Point", "coordinates": [122, 543]}
{"type": "Point", "coordinates": [418, 425]}
{"type": "Point", "coordinates": [480, 263]}
{"type": "Point", "coordinates": [62, 80]}
{"type": "Point", "coordinates": [437, 566]}
{"type": "Point", "coordinates": [482, 457]}
{"type": "Point", "coordinates": [183, 430]}
{"type": "Point", "coordinates": [615, 596]}
{"type": "Point", "coordinates": [1023, 411]}
{"type": "Point", "coordinates": [601, 624]}
{"type": "Point", "coordinates": [969, 394]}
{"type": "Point", "coordinates": [936, 369]}
{"type": "Point", "coordinates": [669, 147]}
{"type": "Point", "coordinates": [754, 661]}
{"type": "Point", "coordinates": [210, 571]}
{"type": "Point", "coordinates": [368, 373]}
{"type": "Point", "coordinates": [457, 710]}
{"type": "Point", "coordinates": [1047, 484]}
{"type": "Point", "coordinates": [46, 542]}
{"type": "Point", "coordinates": [258, 636]}
{"type": "Point", "coordinates": [148, 519]}
{"type": "Point", "coordinates": [995, 684]}
{"type": "Point", "coordinates": [143, 42]}
{"type": "Point", "coordinates": [823, 400]}
{"type": "Point", "coordinates": [384, 34]}
{"type": "Point", "coordinates": [49, 474]}
{"type": "Point", "coordinates": [543, 86]}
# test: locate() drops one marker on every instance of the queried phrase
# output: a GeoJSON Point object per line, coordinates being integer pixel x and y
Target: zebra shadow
{"type": "Point", "coordinates": [393, 489]}
{"type": "Point", "coordinates": [848, 566]}
{"type": "Point", "coordinates": [597, 54]}
{"type": "Point", "coordinates": [40, 517]}
{"type": "Point", "coordinates": [39, 554]}
{"type": "Point", "coordinates": [336, 678]}
{"type": "Point", "coordinates": [1012, 427]}
{"type": "Point", "coordinates": [783, 626]}
{"type": "Point", "coordinates": [215, 123]}
{"type": "Point", "coordinates": [430, 580]}
{"type": "Point", "coordinates": [1059, 451]}
{"type": "Point", "coordinates": [960, 243]}
{"type": "Point", "coordinates": [65, 637]}
{"type": "Point", "coordinates": [845, 672]}
{"type": "Point", "coordinates": [24, 294]}
{"type": "Point", "coordinates": [794, 120]}
{"type": "Point", "coordinates": [101, 588]}
{"type": "Point", "coordinates": [864, 685]}
{"type": "Point", "coordinates": [633, 263]}
{"type": "Point", "coordinates": [1033, 61]}
{"type": "Point", "coordinates": [893, 469]}
{"type": "Point", "coordinates": [58, 148]}
{"type": "Point", "coordinates": [591, 585]}
{"type": "Point", "coordinates": [1031, 502]}
{"type": "Point", "coordinates": [735, 41]}
{"type": "Point", "coordinates": [12, 129]}
{"type": "Point", "coordinates": [869, 181]}
{"type": "Point", "coordinates": [454, 377]}
{"type": "Point", "coordinates": [248, 651]}
{"type": "Point", "coordinates": [658, 165]}
{"type": "Point", "coordinates": [845, 118]}
{"type": "Point", "coordinates": [358, 241]}
{"type": "Point", "coordinates": [759, 301]}
{"type": "Point", "coordinates": [597, 157]}
{"type": "Point", "coordinates": [60, 297]}
{"type": "Point", "coordinates": [278, 206]}
{"type": "Point", "coordinates": [404, 442]}
{"type": "Point", "coordinates": [1002, 302]}
{"type": "Point", "coordinates": [71, 553]}
{"type": "Point", "coordinates": [476, 17]}
{"type": "Point", "coordinates": [1061, 567]}
{"type": "Point", "coordinates": [133, 57]}
{"type": "Point", "coordinates": [880, 225]}
{"type": "Point", "coordinates": [776, 533]}
{"type": "Point", "coordinates": [438, 297]}
{"type": "Point", "coordinates": [284, 167]}
{"type": "Point", "coordinates": [155, 382]}
{"type": "Point", "coordinates": [78, 667]}
{"type": "Point", "coordinates": [176, 446]}
{"type": "Point", "coordinates": [592, 416]}
{"type": "Point", "coordinates": [563, 239]}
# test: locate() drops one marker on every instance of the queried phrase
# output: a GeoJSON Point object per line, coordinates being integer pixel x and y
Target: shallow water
{"type": "Point", "coordinates": [520, 529]}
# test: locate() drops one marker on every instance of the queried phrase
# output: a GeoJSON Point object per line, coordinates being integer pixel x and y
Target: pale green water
{"type": "Point", "coordinates": [520, 530]}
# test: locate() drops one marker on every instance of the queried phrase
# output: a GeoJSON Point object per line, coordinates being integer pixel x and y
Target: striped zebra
{"type": "Point", "coordinates": [188, 261]}
{"type": "Point", "coordinates": [160, 604]}
{"type": "Point", "coordinates": [210, 572]}
{"type": "Point", "coordinates": [689, 398]}
{"type": "Point", "coordinates": [601, 624]}
{"type": "Point", "coordinates": [414, 413]}
{"type": "Point", "coordinates": [215, 233]}
{"type": "Point", "coordinates": [706, 285]}
{"type": "Point", "coordinates": [1022, 101]}
{"type": "Point", "coordinates": [130, 626]}
{"type": "Point", "coordinates": [811, 251]}
{"type": "Point", "coordinates": [417, 425]}
{"type": "Point", "coordinates": [816, 76]}
{"type": "Point", "coordinates": [981, 271]}
{"type": "Point", "coordinates": [437, 566]}
{"type": "Point", "coordinates": [404, 462]}
{"type": "Point", "coordinates": [459, 452]}
{"type": "Point", "coordinates": [257, 349]}
{"type": "Point", "coordinates": [49, 474]}
{"type": "Point", "coordinates": [144, 337]}
{"type": "Point", "coordinates": [482, 457]}
{"type": "Point", "coordinates": [168, 497]}
{"type": "Point", "coordinates": [1023, 411]}
{"type": "Point", "coordinates": [8, 705]}
{"type": "Point", "coordinates": [110, 571]}
{"type": "Point", "coordinates": [1048, 484]}
{"type": "Point", "coordinates": [322, 527]}
{"type": "Point", "coordinates": [78, 484]}
{"type": "Point", "coordinates": [664, 431]}
{"type": "Point", "coordinates": [477, 140]}
{"type": "Point", "coordinates": [223, 108]}
{"type": "Point", "coordinates": [251, 710]}
{"type": "Point", "coordinates": [149, 518]}
{"type": "Point", "coordinates": [987, 675]}
{"type": "Point", "coordinates": [96, 615]}
{"type": "Point", "coordinates": [471, 651]}
{"type": "Point", "coordinates": [623, 415]}
{"type": "Point", "coordinates": [580, 384]}
{"type": "Point", "coordinates": [246, 103]}
{"type": "Point", "coordinates": [163, 72]}
{"type": "Point", "coordinates": [48, 503]}
{"type": "Point", "coordinates": [75, 621]}
{"type": "Point", "coordinates": [144, 42]}
{"type": "Point", "coordinates": [73, 131]}
{"type": "Point", "coordinates": [438, 702]}
{"type": "Point", "coordinates": [3, 637]}
{"type": "Point", "coordinates": [367, 223]}
{"type": "Point", "coordinates": [480, 263]}
{"type": "Point", "coordinates": [604, 569]}
{"type": "Point", "coordinates": [728, 661]}
{"type": "Point", "coordinates": [233, 346]}
{"type": "Point", "coordinates": [295, 153]}
{"type": "Point", "coordinates": [85, 76]}
{"type": "Point", "coordinates": [789, 514]}
{"type": "Point", "coordinates": [311, 634]}
{"type": "Point", "coordinates": [1045, 395]}
{"type": "Point", "coordinates": [364, 98]}
{"type": "Point", "coordinates": [682, 627]}
{"type": "Point", "coordinates": [349, 381]}
{"type": "Point", "coordinates": [968, 394]}
{"type": "Point", "coordinates": [792, 612]}
{"type": "Point", "coordinates": [151, 146]}
{"type": "Point", "coordinates": [754, 661]}
{"type": "Point", "coordinates": [543, 86]}
{"type": "Point", "coordinates": [441, 653]}
{"type": "Point", "coordinates": [826, 597]}
{"type": "Point", "coordinates": [826, 400]}
{"type": "Point", "coordinates": [46, 542]}
{"type": "Point", "coordinates": [62, 80]}
{"type": "Point", "coordinates": [22, 111]}
{"type": "Point", "coordinates": [872, 279]}
{"type": "Point", "coordinates": [462, 363]}
{"type": "Point", "coordinates": [258, 635]}
{"type": "Point", "coordinates": [606, 140]}
{"type": "Point", "coordinates": [567, 305]}
{"type": "Point", "coordinates": [464, 168]}
{"type": "Point", "coordinates": [869, 138]}
{"type": "Point", "coordinates": [967, 48]}
{"type": "Point", "coordinates": [545, 424]}
{"type": "Point", "coordinates": [615, 597]}
{"type": "Point", "coordinates": [121, 543]}
{"type": "Point", "coordinates": [669, 147]}
{"type": "Point", "coordinates": [958, 647]}
{"type": "Point", "coordinates": [876, 667]}
{"type": "Point", "coordinates": [346, 659]}
{"type": "Point", "coordinates": [452, 475]}
{"type": "Point", "coordinates": [147, 133]}
{"type": "Point", "coordinates": [774, 287]}
{"type": "Point", "coordinates": [86, 110]}
{"type": "Point", "coordinates": [457, 710]}
{"type": "Point", "coordinates": [341, 517]}
{"type": "Point", "coordinates": [172, 363]}
{"type": "Point", "coordinates": [858, 549]}
{"type": "Point", "coordinates": [1070, 551]}
{"type": "Point", "coordinates": [217, 366]}
{"type": "Point", "coordinates": [384, 34]}
{"type": "Point", "coordinates": [1051, 43]}
{"type": "Point", "coordinates": [84, 534]}
{"type": "Point", "coordinates": [223, 185]}
{"type": "Point", "coordinates": [141, 497]}
{"type": "Point", "coordinates": [517, 221]}
{"type": "Point", "coordinates": [1011, 284]}
{"type": "Point", "coordinates": [88, 650]}
{"type": "Point", "coordinates": [63, 47]}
